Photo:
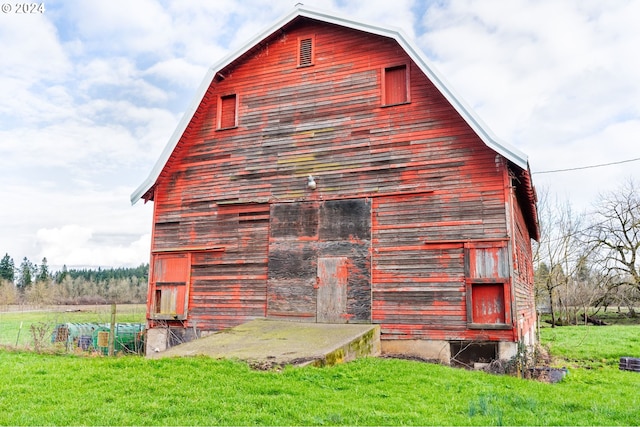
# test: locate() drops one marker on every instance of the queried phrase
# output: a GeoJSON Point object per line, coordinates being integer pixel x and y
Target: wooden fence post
{"type": "Point", "coordinates": [112, 330]}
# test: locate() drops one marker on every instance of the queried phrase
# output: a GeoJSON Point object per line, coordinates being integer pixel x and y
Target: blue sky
{"type": "Point", "coordinates": [92, 91]}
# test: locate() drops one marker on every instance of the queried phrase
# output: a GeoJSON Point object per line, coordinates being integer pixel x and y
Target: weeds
{"type": "Point", "coordinates": [41, 335]}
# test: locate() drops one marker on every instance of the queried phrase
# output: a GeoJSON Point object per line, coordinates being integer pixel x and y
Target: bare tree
{"type": "Point", "coordinates": [559, 253]}
{"type": "Point", "coordinates": [615, 236]}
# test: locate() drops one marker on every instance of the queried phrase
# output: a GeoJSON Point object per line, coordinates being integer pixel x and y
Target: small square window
{"type": "Point", "coordinates": [306, 50]}
{"type": "Point", "coordinates": [228, 112]}
{"type": "Point", "coordinates": [395, 83]}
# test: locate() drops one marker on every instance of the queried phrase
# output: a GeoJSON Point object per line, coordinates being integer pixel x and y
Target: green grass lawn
{"type": "Point", "coordinates": [71, 390]}
{"type": "Point", "coordinates": [593, 346]}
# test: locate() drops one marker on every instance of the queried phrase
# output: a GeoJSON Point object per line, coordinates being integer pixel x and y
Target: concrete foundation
{"type": "Point", "coordinates": [425, 349]}
{"type": "Point", "coordinates": [507, 350]}
{"type": "Point", "coordinates": [437, 349]}
{"type": "Point", "coordinates": [157, 340]}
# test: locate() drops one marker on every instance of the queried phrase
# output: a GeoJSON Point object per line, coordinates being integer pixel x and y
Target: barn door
{"type": "Point", "coordinates": [332, 290]}
{"type": "Point", "coordinates": [310, 246]}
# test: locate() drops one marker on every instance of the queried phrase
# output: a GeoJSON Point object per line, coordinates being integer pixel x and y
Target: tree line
{"type": "Point", "coordinates": [30, 283]}
{"type": "Point", "coordinates": [587, 262]}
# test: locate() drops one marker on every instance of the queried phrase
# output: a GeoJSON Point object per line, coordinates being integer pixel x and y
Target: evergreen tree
{"type": "Point", "coordinates": [43, 271]}
{"type": "Point", "coordinates": [60, 275]}
{"type": "Point", "coordinates": [26, 274]}
{"type": "Point", "coordinates": [7, 269]}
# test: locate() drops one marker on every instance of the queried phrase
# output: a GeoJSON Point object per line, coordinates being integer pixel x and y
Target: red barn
{"type": "Point", "coordinates": [327, 173]}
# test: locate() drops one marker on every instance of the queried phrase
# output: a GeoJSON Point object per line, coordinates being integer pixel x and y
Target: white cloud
{"type": "Point", "coordinates": [75, 246]}
{"type": "Point", "coordinates": [31, 50]}
{"type": "Point", "coordinates": [178, 71]}
{"type": "Point", "coordinates": [76, 224]}
{"type": "Point", "coordinates": [117, 26]}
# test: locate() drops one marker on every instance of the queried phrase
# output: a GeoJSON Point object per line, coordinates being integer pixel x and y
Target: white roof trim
{"type": "Point", "coordinates": [486, 135]}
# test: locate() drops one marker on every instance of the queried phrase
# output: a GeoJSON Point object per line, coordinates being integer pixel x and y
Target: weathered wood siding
{"type": "Point", "coordinates": [523, 281]}
{"type": "Point", "coordinates": [237, 197]}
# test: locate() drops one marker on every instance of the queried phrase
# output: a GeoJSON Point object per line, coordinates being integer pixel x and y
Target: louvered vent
{"type": "Point", "coordinates": [306, 52]}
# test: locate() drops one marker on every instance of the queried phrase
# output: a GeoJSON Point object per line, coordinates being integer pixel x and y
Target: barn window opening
{"type": "Point", "coordinates": [170, 284]}
{"type": "Point", "coordinates": [158, 301]}
{"type": "Point", "coordinates": [487, 277]}
{"type": "Point", "coordinates": [395, 85]}
{"type": "Point", "coordinates": [228, 108]}
{"type": "Point", "coordinates": [305, 51]}
{"type": "Point", "coordinates": [487, 303]}
{"type": "Point", "coordinates": [466, 353]}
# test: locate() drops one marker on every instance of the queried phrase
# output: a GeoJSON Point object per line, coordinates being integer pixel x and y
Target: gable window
{"type": "Point", "coordinates": [395, 85]}
{"type": "Point", "coordinates": [305, 51]}
{"type": "Point", "coordinates": [487, 279]}
{"type": "Point", "coordinates": [170, 286]}
{"type": "Point", "coordinates": [228, 111]}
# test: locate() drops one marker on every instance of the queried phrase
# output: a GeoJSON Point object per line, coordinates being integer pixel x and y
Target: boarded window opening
{"type": "Point", "coordinates": [158, 301]}
{"type": "Point", "coordinates": [488, 303]}
{"type": "Point", "coordinates": [170, 282]}
{"type": "Point", "coordinates": [228, 112]}
{"type": "Point", "coordinates": [396, 85]}
{"type": "Point", "coordinates": [487, 278]}
{"type": "Point", "coordinates": [305, 51]}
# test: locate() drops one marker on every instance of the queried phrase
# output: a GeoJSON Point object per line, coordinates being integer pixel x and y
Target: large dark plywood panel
{"type": "Point", "coordinates": [345, 219]}
{"type": "Point", "coordinates": [293, 220]}
{"type": "Point", "coordinates": [292, 260]}
{"type": "Point", "coordinates": [342, 231]}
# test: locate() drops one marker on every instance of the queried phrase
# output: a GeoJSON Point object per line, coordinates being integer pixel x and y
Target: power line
{"type": "Point", "coordinates": [587, 167]}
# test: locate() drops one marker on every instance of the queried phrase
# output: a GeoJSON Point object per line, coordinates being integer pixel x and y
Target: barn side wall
{"type": "Point", "coordinates": [526, 319]}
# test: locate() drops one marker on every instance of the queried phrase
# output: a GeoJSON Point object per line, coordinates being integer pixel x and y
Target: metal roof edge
{"type": "Point", "coordinates": [483, 131]}
{"type": "Point", "coordinates": [173, 141]}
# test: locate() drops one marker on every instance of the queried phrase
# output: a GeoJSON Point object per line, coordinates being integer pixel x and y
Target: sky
{"type": "Point", "coordinates": [91, 91]}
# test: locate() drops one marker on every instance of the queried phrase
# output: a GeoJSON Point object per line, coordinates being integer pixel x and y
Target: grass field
{"type": "Point", "coordinates": [71, 390]}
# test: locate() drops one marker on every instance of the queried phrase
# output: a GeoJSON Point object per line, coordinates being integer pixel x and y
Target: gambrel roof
{"type": "Point", "coordinates": [510, 152]}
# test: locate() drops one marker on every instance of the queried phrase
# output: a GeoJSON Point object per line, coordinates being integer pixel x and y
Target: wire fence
{"type": "Point", "coordinates": [83, 328]}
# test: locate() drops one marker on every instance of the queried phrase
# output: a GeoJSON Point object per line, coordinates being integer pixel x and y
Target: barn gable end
{"type": "Point", "coordinates": [326, 174]}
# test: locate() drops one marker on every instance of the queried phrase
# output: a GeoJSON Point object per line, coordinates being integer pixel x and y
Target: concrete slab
{"type": "Point", "coordinates": [266, 343]}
